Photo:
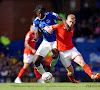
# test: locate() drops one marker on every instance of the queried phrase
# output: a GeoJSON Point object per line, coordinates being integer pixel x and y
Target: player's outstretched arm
{"type": "Point", "coordinates": [64, 21]}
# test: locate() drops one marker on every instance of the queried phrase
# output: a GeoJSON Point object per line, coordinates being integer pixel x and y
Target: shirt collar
{"type": "Point", "coordinates": [44, 16]}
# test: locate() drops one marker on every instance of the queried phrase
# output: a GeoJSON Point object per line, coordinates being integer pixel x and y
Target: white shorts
{"type": "Point", "coordinates": [28, 58]}
{"type": "Point", "coordinates": [67, 56]}
{"type": "Point", "coordinates": [45, 47]}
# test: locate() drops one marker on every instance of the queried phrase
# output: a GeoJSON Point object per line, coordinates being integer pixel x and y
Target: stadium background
{"type": "Point", "coordinates": [17, 15]}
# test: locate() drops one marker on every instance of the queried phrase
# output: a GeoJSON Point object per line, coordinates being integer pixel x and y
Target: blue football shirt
{"type": "Point", "coordinates": [49, 19]}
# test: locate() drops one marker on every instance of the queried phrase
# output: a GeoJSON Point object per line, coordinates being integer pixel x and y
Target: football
{"type": "Point", "coordinates": [47, 77]}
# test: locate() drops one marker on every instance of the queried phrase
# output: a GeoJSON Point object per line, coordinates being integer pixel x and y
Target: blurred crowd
{"type": "Point", "coordinates": [86, 30]}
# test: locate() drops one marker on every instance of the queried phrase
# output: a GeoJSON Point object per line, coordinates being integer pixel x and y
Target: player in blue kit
{"type": "Point", "coordinates": [43, 19]}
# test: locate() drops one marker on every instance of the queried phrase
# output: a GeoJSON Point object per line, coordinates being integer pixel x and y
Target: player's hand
{"type": "Point", "coordinates": [33, 51]}
{"type": "Point", "coordinates": [48, 29]}
{"type": "Point", "coordinates": [34, 40]}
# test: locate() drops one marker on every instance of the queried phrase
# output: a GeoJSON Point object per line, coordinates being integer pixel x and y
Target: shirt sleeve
{"type": "Point", "coordinates": [35, 25]}
{"type": "Point", "coordinates": [54, 15]}
{"type": "Point", "coordinates": [54, 27]}
{"type": "Point", "coordinates": [27, 38]}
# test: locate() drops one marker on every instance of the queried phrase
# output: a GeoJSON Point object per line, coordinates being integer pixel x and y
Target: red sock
{"type": "Point", "coordinates": [22, 71]}
{"type": "Point", "coordinates": [71, 78]}
{"type": "Point", "coordinates": [38, 76]}
{"type": "Point", "coordinates": [88, 70]}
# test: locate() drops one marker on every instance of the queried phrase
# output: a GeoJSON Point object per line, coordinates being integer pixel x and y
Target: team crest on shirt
{"type": "Point", "coordinates": [72, 31]}
{"type": "Point", "coordinates": [64, 28]}
{"type": "Point", "coordinates": [39, 25]}
{"type": "Point", "coordinates": [47, 21]}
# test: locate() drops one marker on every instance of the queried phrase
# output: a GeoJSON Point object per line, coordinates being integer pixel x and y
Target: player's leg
{"type": "Point", "coordinates": [76, 56]}
{"type": "Point", "coordinates": [38, 75]}
{"type": "Point", "coordinates": [38, 64]}
{"type": "Point", "coordinates": [40, 54]}
{"type": "Point", "coordinates": [79, 60]}
{"type": "Point", "coordinates": [70, 74]}
{"type": "Point", "coordinates": [66, 61]}
{"type": "Point", "coordinates": [21, 73]}
{"type": "Point", "coordinates": [55, 57]}
{"type": "Point", "coordinates": [54, 53]}
{"type": "Point", "coordinates": [27, 59]}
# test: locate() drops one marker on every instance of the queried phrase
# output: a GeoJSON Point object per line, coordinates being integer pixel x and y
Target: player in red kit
{"type": "Point", "coordinates": [67, 51]}
{"type": "Point", "coordinates": [28, 57]}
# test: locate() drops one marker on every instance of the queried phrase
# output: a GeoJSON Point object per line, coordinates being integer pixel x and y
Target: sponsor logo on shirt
{"type": "Point", "coordinates": [47, 21]}
{"type": "Point", "coordinates": [39, 25]}
{"type": "Point", "coordinates": [64, 28]}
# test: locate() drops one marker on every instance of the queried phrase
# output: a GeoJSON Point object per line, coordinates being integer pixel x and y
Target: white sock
{"type": "Point", "coordinates": [40, 69]}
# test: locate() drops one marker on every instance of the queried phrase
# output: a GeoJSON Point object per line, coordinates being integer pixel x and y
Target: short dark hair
{"type": "Point", "coordinates": [40, 7]}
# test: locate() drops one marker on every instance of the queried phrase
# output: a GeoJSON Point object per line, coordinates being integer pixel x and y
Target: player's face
{"type": "Point", "coordinates": [40, 13]}
{"type": "Point", "coordinates": [31, 28]}
{"type": "Point", "coordinates": [70, 22]}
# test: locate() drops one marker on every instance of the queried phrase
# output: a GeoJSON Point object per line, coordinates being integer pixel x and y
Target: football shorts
{"type": "Point", "coordinates": [67, 56]}
{"type": "Point", "coordinates": [28, 58]}
{"type": "Point", "coordinates": [45, 47]}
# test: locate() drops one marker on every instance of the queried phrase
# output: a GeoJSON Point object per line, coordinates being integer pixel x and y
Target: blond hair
{"type": "Point", "coordinates": [72, 16]}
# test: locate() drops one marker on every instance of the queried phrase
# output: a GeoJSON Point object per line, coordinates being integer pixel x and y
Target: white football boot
{"type": "Point", "coordinates": [40, 81]}
{"type": "Point", "coordinates": [17, 80]}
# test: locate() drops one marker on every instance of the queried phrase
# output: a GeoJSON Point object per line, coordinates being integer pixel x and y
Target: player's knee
{"type": "Point", "coordinates": [37, 62]}
{"type": "Point", "coordinates": [54, 53]}
{"type": "Point", "coordinates": [38, 59]}
{"type": "Point", "coordinates": [25, 66]}
{"type": "Point", "coordinates": [82, 63]}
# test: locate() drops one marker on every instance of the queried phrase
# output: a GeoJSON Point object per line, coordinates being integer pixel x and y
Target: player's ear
{"type": "Point", "coordinates": [66, 21]}
{"type": "Point", "coordinates": [74, 22]}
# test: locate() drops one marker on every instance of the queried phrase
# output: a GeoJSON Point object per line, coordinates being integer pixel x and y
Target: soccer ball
{"type": "Point", "coordinates": [47, 77]}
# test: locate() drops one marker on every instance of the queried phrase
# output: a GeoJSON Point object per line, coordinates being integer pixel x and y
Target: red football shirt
{"type": "Point", "coordinates": [29, 37]}
{"type": "Point", "coordinates": [63, 37]}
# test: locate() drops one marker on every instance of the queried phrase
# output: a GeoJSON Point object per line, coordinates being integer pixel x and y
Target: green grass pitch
{"type": "Point", "coordinates": [50, 86]}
